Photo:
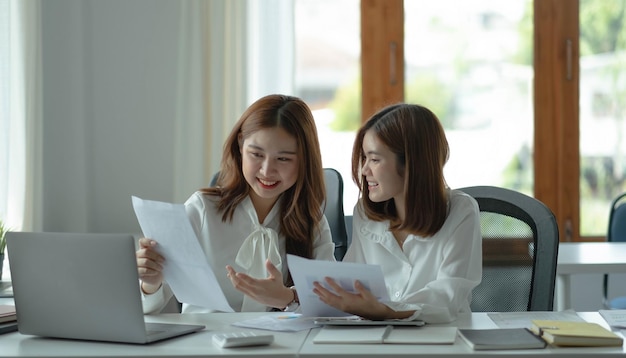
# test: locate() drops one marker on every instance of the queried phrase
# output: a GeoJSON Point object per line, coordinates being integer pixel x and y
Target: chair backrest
{"type": "Point", "coordinates": [615, 233]}
{"type": "Point", "coordinates": [617, 220]}
{"type": "Point", "coordinates": [333, 209]}
{"type": "Point", "coordinates": [520, 248]}
{"type": "Point", "coordinates": [213, 181]}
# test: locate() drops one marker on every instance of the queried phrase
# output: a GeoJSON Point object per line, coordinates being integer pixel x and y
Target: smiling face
{"type": "Point", "coordinates": [269, 164]}
{"type": "Point", "coordinates": [380, 169]}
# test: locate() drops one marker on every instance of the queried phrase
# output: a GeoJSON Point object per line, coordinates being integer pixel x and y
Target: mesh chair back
{"type": "Point", "coordinates": [333, 210]}
{"type": "Point", "coordinates": [616, 233]}
{"type": "Point", "coordinates": [520, 247]}
{"type": "Point", "coordinates": [617, 220]}
{"type": "Point", "coordinates": [214, 179]}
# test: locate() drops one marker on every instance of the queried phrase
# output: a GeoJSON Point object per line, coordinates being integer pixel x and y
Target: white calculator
{"type": "Point", "coordinates": [242, 339]}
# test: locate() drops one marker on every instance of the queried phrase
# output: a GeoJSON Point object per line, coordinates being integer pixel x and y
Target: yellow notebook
{"type": "Point", "coordinates": [582, 334]}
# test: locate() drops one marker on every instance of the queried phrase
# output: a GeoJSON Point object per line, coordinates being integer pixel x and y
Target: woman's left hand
{"type": "Point", "coordinates": [269, 291]}
{"type": "Point", "coordinates": [362, 303]}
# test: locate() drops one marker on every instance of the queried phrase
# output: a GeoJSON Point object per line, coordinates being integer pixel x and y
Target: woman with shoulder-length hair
{"type": "Point", "coordinates": [425, 236]}
{"type": "Point", "coordinates": [267, 203]}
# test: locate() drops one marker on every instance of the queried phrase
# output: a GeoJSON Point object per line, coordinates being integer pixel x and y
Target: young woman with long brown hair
{"type": "Point", "coordinates": [425, 236]}
{"type": "Point", "coordinates": [268, 202]}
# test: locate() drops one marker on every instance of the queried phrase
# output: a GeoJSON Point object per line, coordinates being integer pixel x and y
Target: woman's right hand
{"type": "Point", "coordinates": [149, 266]}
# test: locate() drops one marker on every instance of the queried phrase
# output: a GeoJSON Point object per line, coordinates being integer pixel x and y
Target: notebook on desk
{"type": "Point", "coordinates": [81, 286]}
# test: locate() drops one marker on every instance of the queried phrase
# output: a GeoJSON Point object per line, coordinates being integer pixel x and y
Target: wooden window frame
{"type": "Point", "coordinates": [556, 94]}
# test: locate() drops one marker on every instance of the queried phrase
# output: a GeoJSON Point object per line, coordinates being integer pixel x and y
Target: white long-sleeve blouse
{"type": "Point", "coordinates": [434, 275]}
{"type": "Point", "coordinates": [243, 243]}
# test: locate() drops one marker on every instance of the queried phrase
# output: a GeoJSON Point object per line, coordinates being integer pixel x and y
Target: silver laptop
{"type": "Point", "coordinates": [81, 286]}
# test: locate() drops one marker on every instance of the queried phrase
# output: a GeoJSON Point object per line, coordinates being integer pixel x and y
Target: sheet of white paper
{"type": "Point", "coordinates": [304, 272]}
{"type": "Point", "coordinates": [285, 322]}
{"type": "Point", "coordinates": [615, 318]}
{"type": "Point", "coordinates": [523, 319]}
{"type": "Point", "coordinates": [185, 268]}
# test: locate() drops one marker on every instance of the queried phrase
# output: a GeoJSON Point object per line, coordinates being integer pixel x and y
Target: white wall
{"type": "Point", "coordinates": [109, 99]}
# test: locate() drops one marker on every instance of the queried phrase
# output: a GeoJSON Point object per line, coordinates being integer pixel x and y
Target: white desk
{"type": "Point", "coordinates": [588, 258]}
{"type": "Point", "coordinates": [458, 349]}
{"type": "Point", "coordinates": [197, 344]}
{"type": "Point", "coordinates": [287, 344]}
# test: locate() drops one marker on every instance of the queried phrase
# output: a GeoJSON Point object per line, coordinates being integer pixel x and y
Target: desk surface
{"type": "Point", "coordinates": [591, 257]}
{"type": "Point", "coordinates": [458, 349]}
{"type": "Point", "coordinates": [193, 345]}
{"type": "Point", "coordinates": [287, 344]}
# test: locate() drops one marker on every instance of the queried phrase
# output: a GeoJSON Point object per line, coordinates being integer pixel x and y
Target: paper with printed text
{"type": "Point", "coordinates": [185, 268]}
{"type": "Point", "coordinates": [304, 272]}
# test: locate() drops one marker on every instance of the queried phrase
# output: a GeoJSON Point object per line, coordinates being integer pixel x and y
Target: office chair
{"type": "Point", "coordinates": [349, 219]}
{"type": "Point", "coordinates": [333, 209]}
{"type": "Point", "coordinates": [213, 181]}
{"type": "Point", "coordinates": [616, 233]}
{"type": "Point", "coordinates": [520, 248]}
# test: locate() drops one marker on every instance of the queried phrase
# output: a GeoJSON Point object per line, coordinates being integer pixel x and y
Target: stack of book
{"type": "Point", "coordinates": [8, 319]}
{"type": "Point", "coordinates": [542, 332]}
{"type": "Point", "coordinates": [501, 338]}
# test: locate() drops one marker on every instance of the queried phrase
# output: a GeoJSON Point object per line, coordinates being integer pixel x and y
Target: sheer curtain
{"type": "Point", "coordinates": [212, 82]}
{"type": "Point", "coordinates": [21, 141]}
{"type": "Point", "coordinates": [231, 53]}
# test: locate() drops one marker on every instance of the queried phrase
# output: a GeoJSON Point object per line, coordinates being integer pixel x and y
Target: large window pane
{"type": "Point", "coordinates": [327, 77]}
{"type": "Point", "coordinates": [602, 111]}
{"type": "Point", "coordinates": [473, 68]}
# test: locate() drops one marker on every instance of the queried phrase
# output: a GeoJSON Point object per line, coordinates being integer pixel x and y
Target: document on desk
{"type": "Point", "coordinates": [285, 322]}
{"type": "Point", "coordinates": [524, 319]}
{"type": "Point", "coordinates": [304, 272]}
{"type": "Point", "coordinates": [615, 318]}
{"type": "Point", "coordinates": [185, 269]}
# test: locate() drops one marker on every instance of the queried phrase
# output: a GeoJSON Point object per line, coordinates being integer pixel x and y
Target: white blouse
{"type": "Point", "coordinates": [243, 244]}
{"type": "Point", "coordinates": [433, 276]}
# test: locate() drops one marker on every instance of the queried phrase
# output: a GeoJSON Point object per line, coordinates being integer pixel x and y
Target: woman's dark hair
{"type": "Point", "coordinates": [301, 206]}
{"type": "Point", "coordinates": [415, 135]}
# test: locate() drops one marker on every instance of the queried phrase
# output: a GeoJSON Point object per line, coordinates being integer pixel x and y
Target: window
{"type": "Point", "coordinates": [481, 90]}
{"type": "Point", "coordinates": [327, 78]}
{"type": "Point", "coordinates": [602, 111]}
{"type": "Point", "coordinates": [446, 70]}
{"type": "Point", "coordinates": [530, 100]}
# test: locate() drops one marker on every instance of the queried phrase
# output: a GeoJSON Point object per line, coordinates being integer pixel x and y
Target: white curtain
{"type": "Point", "coordinates": [227, 78]}
{"type": "Point", "coordinates": [271, 47]}
{"type": "Point", "coordinates": [212, 82]}
{"type": "Point", "coordinates": [228, 57]}
{"type": "Point", "coordinates": [24, 179]}
{"type": "Point", "coordinates": [192, 100]}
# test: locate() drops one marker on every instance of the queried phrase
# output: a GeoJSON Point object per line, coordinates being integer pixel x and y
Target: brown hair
{"type": "Point", "coordinates": [301, 206]}
{"type": "Point", "coordinates": [415, 135]}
